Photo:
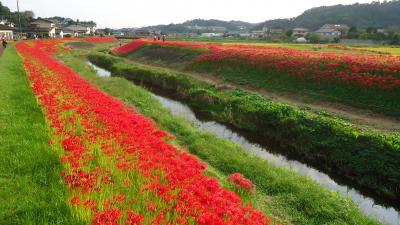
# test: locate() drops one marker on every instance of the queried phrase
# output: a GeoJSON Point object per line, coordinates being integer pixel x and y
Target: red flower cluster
{"type": "Point", "coordinates": [118, 165]}
{"type": "Point", "coordinates": [130, 47]}
{"type": "Point", "coordinates": [364, 70]}
{"type": "Point", "coordinates": [98, 40]}
{"type": "Point", "coordinates": [52, 46]}
{"type": "Point", "coordinates": [242, 182]}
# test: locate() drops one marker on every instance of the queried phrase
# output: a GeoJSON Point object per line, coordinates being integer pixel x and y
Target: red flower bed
{"type": "Point", "coordinates": [364, 70]}
{"type": "Point", "coordinates": [119, 167]}
{"type": "Point", "coordinates": [98, 40]}
{"type": "Point", "coordinates": [130, 47]}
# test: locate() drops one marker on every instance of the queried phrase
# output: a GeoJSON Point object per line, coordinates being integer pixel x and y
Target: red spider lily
{"type": "Point", "coordinates": [242, 182]}
{"type": "Point", "coordinates": [98, 40]}
{"type": "Point", "coordinates": [132, 46]}
{"type": "Point", "coordinates": [364, 70]}
{"type": "Point", "coordinates": [107, 147]}
{"type": "Point", "coordinates": [76, 200]}
{"type": "Point", "coordinates": [134, 218]}
{"type": "Point", "coordinates": [108, 217]}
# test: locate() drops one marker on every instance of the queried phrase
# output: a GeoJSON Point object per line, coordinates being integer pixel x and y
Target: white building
{"type": "Point", "coordinates": [6, 32]}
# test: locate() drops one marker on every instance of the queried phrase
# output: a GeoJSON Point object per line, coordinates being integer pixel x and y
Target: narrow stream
{"type": "Point", "coordinates": [100, 71]}
{"type": "Point", "coordinates": [386, 215]}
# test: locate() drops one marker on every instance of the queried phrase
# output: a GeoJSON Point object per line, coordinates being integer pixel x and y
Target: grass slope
{"type": "Point", "coordinates": [31, 190]}
{"type": "Point", "coordinates": [384, 102]}
{"type": "Point", "coordinates": [290, 196]}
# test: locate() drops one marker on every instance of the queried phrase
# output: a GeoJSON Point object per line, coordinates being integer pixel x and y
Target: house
{"type": "Point", "coordinates": [91, 26]}
{"type": "Point", "coordinates": [196, 27]}
{"type": "Point", "coordinates": [217, 29]}
{"type": "Point", "coordinates": [258, 34]}
{"type": "Point", "coordinates": [76, 30]}
{"type": "Point", "coordinates": [299, 32]}
{"type": "Point", "coordinates": [275, 32]}
{"type": "Point", "coordinates": [329, 34]}
{"type": "Point", "coordinates": [42, 27]}
{"type": "Point", "coordinates": [5, 22]}
{"type": "Point", "coordinates": [209, 35]}
{"type": "Point", "coordinates": [6, 32]}
{"type": "Point", "coordinates": [343, 28]}
{"type": "Point", "coordinates": [143, 32]}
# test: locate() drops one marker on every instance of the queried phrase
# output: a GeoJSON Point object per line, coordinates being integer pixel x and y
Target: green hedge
{"type": "Point", "coordinates": [367, 158]}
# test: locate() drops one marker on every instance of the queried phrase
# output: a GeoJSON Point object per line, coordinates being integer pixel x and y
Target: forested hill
{"type": "Point", "coordinates": [183, 27]}
{"type": "Point", "coordinates": [375, 14]}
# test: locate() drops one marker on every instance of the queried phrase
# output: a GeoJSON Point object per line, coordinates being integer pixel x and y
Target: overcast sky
{"type": "Point", "coordinates": [135, 13]}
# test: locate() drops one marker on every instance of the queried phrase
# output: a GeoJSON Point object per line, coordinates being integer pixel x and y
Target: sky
{"type": "Point", "coordinates": [134, 13]}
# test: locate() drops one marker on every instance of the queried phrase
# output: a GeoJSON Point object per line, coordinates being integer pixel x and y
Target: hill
{"type": "Point", "coordinates": [203, 26]}
{"type": "Point", "coordinates": [375, 14]}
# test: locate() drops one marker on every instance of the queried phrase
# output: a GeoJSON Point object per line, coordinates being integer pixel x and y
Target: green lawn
{"type": "Point", "coordinates": [31, 190]}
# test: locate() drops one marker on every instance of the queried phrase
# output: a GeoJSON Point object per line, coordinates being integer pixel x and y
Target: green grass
{"type": "Point", "coordinates": [171, 56]}
{"type": "Point", "coordinates": [284, 194]}
{"type": "Point", "coordinates": [31, 190]}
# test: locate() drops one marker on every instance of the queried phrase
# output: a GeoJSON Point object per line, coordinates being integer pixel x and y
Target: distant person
{"type": "Point", "coordinates": [158, 37]}
{"type": "Point", "coordinates": [163, 38]}
{"type": "Point", "coordinates": [4, 43]}
{"type": "Point", "coordinates": [155, 38]}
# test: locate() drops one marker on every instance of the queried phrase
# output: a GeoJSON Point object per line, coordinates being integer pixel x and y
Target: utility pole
{"type": "Point", "coordinates": [19, 18]}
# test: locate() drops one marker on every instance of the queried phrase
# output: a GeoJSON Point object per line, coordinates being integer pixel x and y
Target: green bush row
{"type": "Point", "coordinates": [368, 158]}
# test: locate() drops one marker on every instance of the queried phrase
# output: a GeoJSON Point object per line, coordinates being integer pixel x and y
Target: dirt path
{"type": "Point", "coordinates": [353, 115]}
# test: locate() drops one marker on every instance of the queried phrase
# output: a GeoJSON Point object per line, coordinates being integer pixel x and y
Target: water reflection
{"type": "Point", "coordinates": [100, 71]}
{"type": "Point", "coordinates": [386, 215]}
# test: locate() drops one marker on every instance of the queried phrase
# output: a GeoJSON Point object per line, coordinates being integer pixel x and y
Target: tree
{"type": "Point", "coordinates": [289, 33]}
{"type": "Point", "coordinates": [107, 31]}
{"type": "Point", "coordinates": [371, 30]}
{"type": "Point", "coordinates": [313, 37]}
{"type": "Point", "coordinates": [28, 14]}
{"type": "Point", "coordinates": [353, 29]}
{"type": "Point", "coordinates": [392, 31]}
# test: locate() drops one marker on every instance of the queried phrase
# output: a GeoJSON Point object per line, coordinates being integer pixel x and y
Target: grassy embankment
{"type": "Point", "coordinates": [367, 158]}
{"type": "Point", "coordinates": [384, 102]}
{"type": "Point", "coordinates": [287, 195]}
{"type": "Point", "coordinates": [32, 192]}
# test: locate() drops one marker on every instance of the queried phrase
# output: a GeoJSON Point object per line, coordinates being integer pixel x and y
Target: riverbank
{"type": "Point", "coordinates": [301, 199]}
{"type": "Point", "coordinates": [326, 142]}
